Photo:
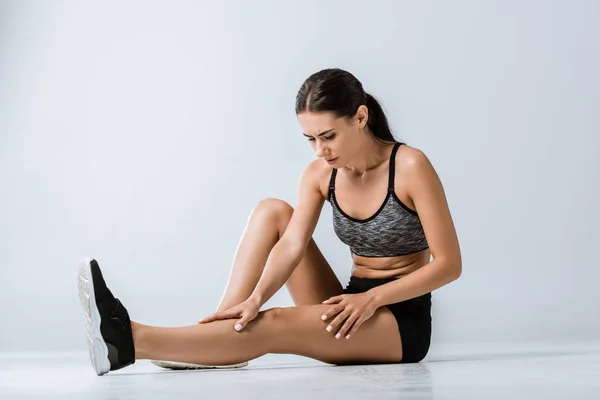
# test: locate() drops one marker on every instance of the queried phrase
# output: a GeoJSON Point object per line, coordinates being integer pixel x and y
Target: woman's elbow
{"type": "Point", "coordinates": [455, 270]}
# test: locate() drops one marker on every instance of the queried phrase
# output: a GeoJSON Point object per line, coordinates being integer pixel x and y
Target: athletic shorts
{"type": "Point", "coordinates": [413, 317]}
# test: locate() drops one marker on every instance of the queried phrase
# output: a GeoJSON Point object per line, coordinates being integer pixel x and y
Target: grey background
{"type": "Point", "coordinates": [143, 134]}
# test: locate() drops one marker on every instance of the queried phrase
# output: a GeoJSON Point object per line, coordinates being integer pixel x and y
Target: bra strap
{"type": "Point", "coordinates": [393, 167]}
{"type": "Point", "coordinates": [332, 181]}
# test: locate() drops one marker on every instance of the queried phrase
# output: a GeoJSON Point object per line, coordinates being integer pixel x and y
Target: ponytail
{"type": "Point", "coordinates": [377, 122]}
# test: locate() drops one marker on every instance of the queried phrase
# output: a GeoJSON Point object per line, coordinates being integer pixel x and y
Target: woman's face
{"type": "Point", "coordinates": [334, 139]}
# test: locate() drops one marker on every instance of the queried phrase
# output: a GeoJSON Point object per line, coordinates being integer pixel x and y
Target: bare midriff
{"type": "Point", "coordinates": [388, 267]}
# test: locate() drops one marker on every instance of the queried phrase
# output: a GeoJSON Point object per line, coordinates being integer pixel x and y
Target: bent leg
{"type": "Point", "coordinates": [312, 281]}
{"type": "Point", "coordinates": [293, 330]}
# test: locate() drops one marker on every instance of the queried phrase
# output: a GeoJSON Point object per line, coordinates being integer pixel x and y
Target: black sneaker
{"type": "Point", "coordinates": [110, 340]}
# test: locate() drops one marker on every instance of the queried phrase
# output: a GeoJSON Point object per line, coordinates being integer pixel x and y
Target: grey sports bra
{"type": "Point", "coordinates": [393, 230]}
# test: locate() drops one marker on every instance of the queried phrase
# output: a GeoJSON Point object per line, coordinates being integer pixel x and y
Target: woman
{"type": "Point", "coordinates": [388, 206]}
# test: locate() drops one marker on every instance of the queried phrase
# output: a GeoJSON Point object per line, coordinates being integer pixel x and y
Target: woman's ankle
{"type": "Point", "coordinates": [137, 331]}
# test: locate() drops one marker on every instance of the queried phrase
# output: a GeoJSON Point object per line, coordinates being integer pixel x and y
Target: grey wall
{"type": "Point", "coordinates": [143, 134]}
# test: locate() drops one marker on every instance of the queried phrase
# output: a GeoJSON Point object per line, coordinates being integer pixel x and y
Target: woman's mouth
{"type": "Point", "coordinates": [332, 161]}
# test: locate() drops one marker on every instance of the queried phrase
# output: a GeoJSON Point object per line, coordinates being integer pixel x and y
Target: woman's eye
{"type": "Point", "coordinates": [312, 139]}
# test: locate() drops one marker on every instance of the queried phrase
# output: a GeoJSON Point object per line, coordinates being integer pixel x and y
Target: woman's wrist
{"type": "Point", "coordinates": [256, 298]}
{"type": "Point", "coordinates": [376, 297]}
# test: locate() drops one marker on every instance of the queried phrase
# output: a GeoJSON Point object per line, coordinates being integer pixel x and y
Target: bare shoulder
{"type": "Point", "coordinates": [409, 157]}
{"type": "Point", "coordinates": [317, 174]}
{"type": "Point", "coordinates": [413, 165]}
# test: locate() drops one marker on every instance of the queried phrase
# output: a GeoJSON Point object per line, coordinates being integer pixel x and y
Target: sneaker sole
{"type": "Point", "coordinates": [174, 365]}
{"type": "Point", "coordinates": [96, 345]}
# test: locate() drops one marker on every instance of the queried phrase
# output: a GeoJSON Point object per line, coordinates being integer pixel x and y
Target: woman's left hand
{"type": "Point", "coordinates": [351, 310]}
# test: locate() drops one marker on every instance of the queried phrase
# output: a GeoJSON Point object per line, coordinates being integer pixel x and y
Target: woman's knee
{"type": "Point", "coordinates": [274, 210]}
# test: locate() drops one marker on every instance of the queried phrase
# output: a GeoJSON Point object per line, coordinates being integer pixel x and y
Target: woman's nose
{"type": "Point", "coordinates": [320, 150]}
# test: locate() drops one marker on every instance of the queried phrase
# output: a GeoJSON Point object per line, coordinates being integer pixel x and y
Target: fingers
{"type": "Point", "coordinates": [351, 322]}
{"type": "Point", "coordinates": [219, 315]}
{"type": "Point", "coordinates": [210, 318]}
{"type": "Point", "coordinates": [333, 300]}
{"type": "Point", "coordinates": [241, 324]}
{"type": "Point", "coordinates": [247, 316]}
{"type": "Point", "coordinates": [350, 312]}
{"type": "Point", "coordinates": [355, 327]}
{"type": "Point", "coordinates": [330, 313]}
{"type": "Point", "coordinates": [338, 321]}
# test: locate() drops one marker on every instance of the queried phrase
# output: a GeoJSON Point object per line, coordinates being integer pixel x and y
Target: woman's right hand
{"type": "Point", "coordinates": [246, 312]}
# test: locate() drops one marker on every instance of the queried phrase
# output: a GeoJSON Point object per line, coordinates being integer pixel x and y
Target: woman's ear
{"type": "Point", "coordinates": [362, 116]}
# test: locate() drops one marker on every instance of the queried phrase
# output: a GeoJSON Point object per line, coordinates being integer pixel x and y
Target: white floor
{"type": "Point", "coordinates": [557, 371]}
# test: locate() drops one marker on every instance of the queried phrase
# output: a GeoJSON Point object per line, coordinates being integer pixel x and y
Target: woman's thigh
{"type": "Point", "coordinates": [300, 330]}
{"type": "Point", "coordinates": [313, 281]}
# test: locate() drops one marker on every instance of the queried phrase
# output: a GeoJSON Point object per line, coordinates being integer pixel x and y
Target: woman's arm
{"type": "Point", "coordinates": [289, 250]}
{"type": "Point", "coordinates": [427, 193]}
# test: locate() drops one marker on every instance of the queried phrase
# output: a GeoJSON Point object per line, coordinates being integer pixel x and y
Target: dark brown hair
{"type": "Point", "coordinates": [338, 91]}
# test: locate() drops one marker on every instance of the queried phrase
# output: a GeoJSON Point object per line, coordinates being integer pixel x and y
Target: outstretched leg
{"type": "Point", "coordinates": [116, 342]}
{"type": "Point", "coordinates": [293, 330]}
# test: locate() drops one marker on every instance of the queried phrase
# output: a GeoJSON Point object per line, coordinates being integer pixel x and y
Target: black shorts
{"type": "Point", "coordinates": [413, 317]}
